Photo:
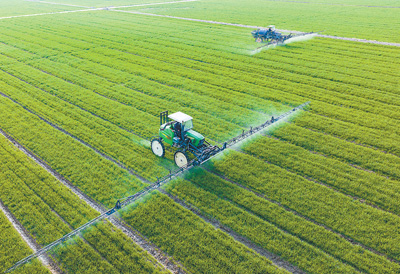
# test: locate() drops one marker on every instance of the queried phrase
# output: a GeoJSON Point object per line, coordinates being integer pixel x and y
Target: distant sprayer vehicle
{"type": "Point", "coordinates": [177, 131]}
{"type": "Point", "coordinates": [272, 36]}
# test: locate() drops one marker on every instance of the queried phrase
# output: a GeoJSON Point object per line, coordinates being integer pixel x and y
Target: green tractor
{"type": "Point", "coordinates": [176, 131]}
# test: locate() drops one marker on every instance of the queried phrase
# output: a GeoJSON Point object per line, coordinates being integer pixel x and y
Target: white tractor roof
{"type": "Point", "coordinates": [180, 117]}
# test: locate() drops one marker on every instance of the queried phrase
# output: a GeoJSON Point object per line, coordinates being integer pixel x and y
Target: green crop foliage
{"type": "Point", "coordinates": [370, 159]}
{"type": "Point", "coordinates": [48, 210]}
{"type": "Point", "coordinates": [213, 191]}
{"type": "Point", "coordinates": [374, 138]}
{"type": "Point", "coordinates": [355, 17]}
{"type": "Point", "coordinates": [372, 227]}
{"type": "Point", "coordinates": [104, 76]}
{"type": "Point", "coordinates": [262, 233]}
{"type": "Point", "coordinates": [198, 245]}
{"type": "Point", "coordinates": [13, 249]}
{"type": "Point", "coordinates": [373, 188]}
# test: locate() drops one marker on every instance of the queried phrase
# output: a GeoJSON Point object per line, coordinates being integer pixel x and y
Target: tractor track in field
{"type": "Point", "coordinates": [140, 240]}
{"type": "Point", "coordinates": [45, 259]}
{"type": "Point", "coordinates": [263, 196]}
{"type": "Point", "coordinates": [241, 239]}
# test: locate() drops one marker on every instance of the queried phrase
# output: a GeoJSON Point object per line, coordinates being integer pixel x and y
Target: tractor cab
{"type": "Point", "coordinates": [183, 123]}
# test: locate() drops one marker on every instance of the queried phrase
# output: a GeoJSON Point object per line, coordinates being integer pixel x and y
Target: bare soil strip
{"type": "Point", "coordinates": [45, 259]}
{"type": "Point", "coordinates": [261, 251]}
{"type": "Point", "coordinates": [160, 256]}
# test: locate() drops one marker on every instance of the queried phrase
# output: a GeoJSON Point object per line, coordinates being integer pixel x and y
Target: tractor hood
{"type": "Point", "coordinates": [194, 134]}
{"type": "Point", "coordinates": [197, 138]}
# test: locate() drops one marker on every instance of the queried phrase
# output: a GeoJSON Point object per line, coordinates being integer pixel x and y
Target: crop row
{"type": "Point", "coordinates": [122, 115]}
{"type": "Point", "coordinates": [98, 178]}
{"type": "Point", "coordinates": [371, 118]}
{"type": "Point", "coordinates": [187, 238]}
{"type": "Point", "coordinates": [13, 249]}
{"type": "Point", "coordinates": [49, 210]}
{"type": "Point", "coordinates": [273, 66]}
{"type": "Point", "coordinates": [368, 186]}
{"type": "Point", "coordinates": [360, 93]}
{"type": "Point", "coordinates": [315, 16]}
{"type": "Point", "coordinates": [224, 36]}
{"type": "Point", "coordinates": [365, 224]}
{"type": "Point", "coordinates": [361, 135]}
{"type": "Point", "coordinates": [381, 163]}
{"type": "Point", "coordinates": [221, 192]}
{"type": "Point", "coordinates": [113, 246]}
{"type": "Point", "coordinates": [183, 253]}
{"type": "Point", "coordinates": [261, 232]}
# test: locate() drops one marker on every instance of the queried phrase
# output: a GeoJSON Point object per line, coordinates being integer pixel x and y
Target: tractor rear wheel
{"type": "Point", "coordinates": [181, 159]}
{"type": "Point", "coordinates": [158, 147]}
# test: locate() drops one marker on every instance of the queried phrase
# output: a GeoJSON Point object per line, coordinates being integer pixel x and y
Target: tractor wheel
{"type": "Point", "coordinates": [181, 159]}
{"type": "Point", "coordinates": [259, 40]}
{"type": "Point", "coordinates": [158, 147]}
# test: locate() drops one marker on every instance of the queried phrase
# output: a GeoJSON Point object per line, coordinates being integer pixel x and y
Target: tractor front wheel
{"type": "Point", "coordinates": [158, 147]}
{"type": "Point", "coordinates": [181, 159]}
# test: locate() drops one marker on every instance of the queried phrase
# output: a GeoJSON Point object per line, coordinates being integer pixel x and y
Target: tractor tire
{"type": "Point", "coordinates": [158, 147]}
{"type": "Point", "coordinates": [259, 40]}
{"type": "Point", "coordinates": [181, 159]}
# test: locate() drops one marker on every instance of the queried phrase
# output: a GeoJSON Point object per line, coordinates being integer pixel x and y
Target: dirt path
{"type": "Point", "coordinates": [45, 259]}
